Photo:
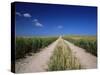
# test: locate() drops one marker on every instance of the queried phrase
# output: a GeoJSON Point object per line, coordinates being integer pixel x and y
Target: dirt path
{"type": "Point", "coordinates": [86, 59]}
{"type": "Point", "coordinates": [36, 63]}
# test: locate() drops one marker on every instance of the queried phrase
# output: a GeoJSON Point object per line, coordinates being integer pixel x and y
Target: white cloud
{"type": "Point", "coordinates": [60, 27]}
{"type": "Point", "coordinates": [18, 13]}
{"type": "Point", "coordinates": [37, 23]}
{"type": "Point", "coordinates": [35, 20]}
{"type": "Point", "coordinates": [26, 15]}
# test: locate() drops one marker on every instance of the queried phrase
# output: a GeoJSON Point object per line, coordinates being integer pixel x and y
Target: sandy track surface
{"type": "Point", "coordinates": [36, 63]}
{"type": "Point", "coordinates": [87, 60]}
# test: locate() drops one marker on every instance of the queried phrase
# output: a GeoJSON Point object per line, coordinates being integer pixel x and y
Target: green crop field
{"type": "Point", "coordinates": [26, 45]}
{"type": "Point", "coordinates": [89, 43]}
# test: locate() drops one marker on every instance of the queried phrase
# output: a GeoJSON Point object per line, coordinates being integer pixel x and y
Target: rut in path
{"type": "Point", "coordinates": [87, 60]}
{"type": "Point", "coordinates": [36, 63]}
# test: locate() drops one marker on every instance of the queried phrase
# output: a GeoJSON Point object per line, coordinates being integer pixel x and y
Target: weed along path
{"type": "Point", "coordinates": [87, 60]}
{"type": "Point", "coordinates": [36, 63]}
{"type": "Point", "coordinates": [63, 59]}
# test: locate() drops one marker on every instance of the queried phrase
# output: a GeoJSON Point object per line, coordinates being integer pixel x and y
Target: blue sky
{"type": "Point", "coordinates": [43, 19]}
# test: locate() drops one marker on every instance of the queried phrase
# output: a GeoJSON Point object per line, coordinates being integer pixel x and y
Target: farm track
{"type": "Point", "coordinates": [38, 62]}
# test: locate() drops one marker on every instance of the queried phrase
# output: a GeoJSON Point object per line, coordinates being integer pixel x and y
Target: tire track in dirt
{"type": "Point", "coordinates": [87, 60]}
{"type": "Point", "coordinates": [38, 62]}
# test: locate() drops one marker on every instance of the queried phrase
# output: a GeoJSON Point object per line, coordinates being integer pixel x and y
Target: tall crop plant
{"type": "Point", "coordinates": [90, 45]}
{"type": "Point", "coordinates": [27, 45]}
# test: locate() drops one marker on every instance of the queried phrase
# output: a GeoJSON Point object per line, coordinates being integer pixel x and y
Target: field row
{"type": "Point", "coordinates": [88, 43]}
{"type": "Point", "coordinates": [31, 45]}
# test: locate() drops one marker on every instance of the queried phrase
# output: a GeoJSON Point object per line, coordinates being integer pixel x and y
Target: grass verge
{"type": "Point", "coordinates": [62, 59]}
